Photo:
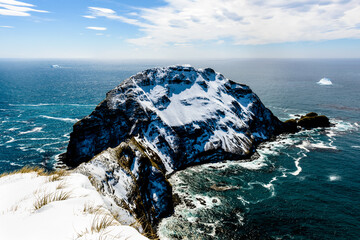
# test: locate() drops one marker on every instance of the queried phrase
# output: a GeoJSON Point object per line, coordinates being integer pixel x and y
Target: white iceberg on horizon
{"type": "Point", "coordinates": [324, 81]}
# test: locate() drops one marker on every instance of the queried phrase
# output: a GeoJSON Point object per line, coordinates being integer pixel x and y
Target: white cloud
{"type": "Point", "coordinates": [111, 14]}
{"type": "Point", "coordinates": [6, 27]}
{"type": "Point", "coordinates": [243, 22]}
{"type": "Point", "coordinates": [16, 8]}
{"type": "Point", "coordinates": [88, 16]}
{"type": "Point", "coordinates": [97, 28]}
{"type": "Point", "coordinates": [13, 2]}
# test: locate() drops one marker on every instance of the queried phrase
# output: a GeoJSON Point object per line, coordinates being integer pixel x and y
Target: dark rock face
{"type": "Point", "coordinates": [186, 116]}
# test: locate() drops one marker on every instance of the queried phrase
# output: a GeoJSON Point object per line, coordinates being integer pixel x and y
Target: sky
{"type": "Point", "coordinates": [180, 29]}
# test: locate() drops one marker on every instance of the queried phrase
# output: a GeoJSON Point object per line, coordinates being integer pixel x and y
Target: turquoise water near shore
{"type": "Point", "coordinates": [301, 186]}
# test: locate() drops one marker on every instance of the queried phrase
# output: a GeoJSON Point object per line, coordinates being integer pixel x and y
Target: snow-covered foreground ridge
{"type": "Point", "coordinates": [61, 205]}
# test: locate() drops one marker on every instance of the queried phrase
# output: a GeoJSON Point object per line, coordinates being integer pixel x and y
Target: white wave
{"type": "Point", "coordinates": [334, 178]}
{"type": "Point", "coordinates": [37, 139]}
{"type": "Point", "coordinates": [325, 81]}
{"type": "Point", "coordinates": [13, 129]}
{"type": "Point", "coordinates": [11, 140]}
{"type": "Point", "coordinates": [255, 164]}
{"type": "Point", "coordinates": [40, 150]}
{"type": "Point", "coordinates": [15, 164]}
{"type": "Point", "coordinates": [355, 146]}
{"type": "Point", "coordinates": [36, 129]}
{"type": "Point", "coordinates": [72, 120]}
{"type": "Point", "coordinates": [52, 104]}
{"type": "Point", "coordinates": [342, 126]}
{"type": "Point", "coordinates": [297, 165]}
{"type": "Point", "coordinates": [243, 201]}
{"type": "Point", "coordinates": [24, 149]}
{"type": "Point", "coordinates": [308, 145]}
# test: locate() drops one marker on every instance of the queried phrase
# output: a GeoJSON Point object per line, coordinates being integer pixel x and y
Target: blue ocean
{"type": "Point", "coordinates": [298, 186]}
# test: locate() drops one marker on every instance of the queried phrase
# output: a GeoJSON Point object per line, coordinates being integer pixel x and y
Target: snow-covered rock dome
{"type": "Point", "coordinates": [185, 115]}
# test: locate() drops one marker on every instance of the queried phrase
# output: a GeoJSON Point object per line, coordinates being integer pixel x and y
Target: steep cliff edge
{"type": "Point", "coordinates": [185, 115]}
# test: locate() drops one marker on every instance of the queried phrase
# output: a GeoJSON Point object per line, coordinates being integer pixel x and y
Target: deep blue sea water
{"type": "Point", "coordinates": [302, 186]}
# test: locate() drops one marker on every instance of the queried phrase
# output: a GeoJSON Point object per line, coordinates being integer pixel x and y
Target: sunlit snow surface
{"type": "Point", "coordinates": [70, 218]}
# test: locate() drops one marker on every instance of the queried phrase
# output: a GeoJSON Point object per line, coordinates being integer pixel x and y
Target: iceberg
{"type": "Point", "coordinates": [324, 81]}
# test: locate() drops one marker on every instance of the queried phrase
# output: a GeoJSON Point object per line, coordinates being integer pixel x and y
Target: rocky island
{"type": "Point", "coordinates": [162, 120]}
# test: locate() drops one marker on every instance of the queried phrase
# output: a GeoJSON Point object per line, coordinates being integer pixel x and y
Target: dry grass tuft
{"type": "Point", "coordinates": [57, 175]}
{"type": "Point", "coordinates": [61, 185]}
{"type": "Point", "coordinates": [102, 220]}
{"type": "Point", "coordinates": [91, 209]}
{"type": "Point", "coordinates": [40, 171]}
{"type": "Point", "coordinates": [100, 223]}
{"type": "Point", "coordinates": [47, 198]}
{"type": "Point", "coordinates": [54, 176]}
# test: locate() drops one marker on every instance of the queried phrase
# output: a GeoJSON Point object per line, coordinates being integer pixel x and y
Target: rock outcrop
{"type": "Point", "coordinates": [308, 121]}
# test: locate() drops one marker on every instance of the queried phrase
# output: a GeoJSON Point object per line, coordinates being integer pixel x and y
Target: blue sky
{"type": "Point", "coordinates": [184, 29]}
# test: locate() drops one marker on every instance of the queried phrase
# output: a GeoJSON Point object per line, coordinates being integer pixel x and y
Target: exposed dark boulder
{"type": "Point", "coordinates": [312, 120]}
{"type": "Point", "coordinates": [308, 121]}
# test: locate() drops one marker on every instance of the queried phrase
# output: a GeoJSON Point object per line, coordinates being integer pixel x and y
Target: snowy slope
{"type": "Point", "coordinates": [74, 209]}
{"type": "Point", "coordinates": [185, 115]}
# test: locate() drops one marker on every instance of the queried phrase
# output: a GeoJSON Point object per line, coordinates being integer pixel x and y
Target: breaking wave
{"type": "Point", "coordinates": [35, 129]}
{"type": "Point", "coordinates": [72, 120]}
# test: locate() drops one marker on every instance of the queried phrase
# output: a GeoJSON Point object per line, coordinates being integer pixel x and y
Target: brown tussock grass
{"type": "Point", "coordinates": [47, 198]}
{"type": "Point", "coordinates": [101, 221]}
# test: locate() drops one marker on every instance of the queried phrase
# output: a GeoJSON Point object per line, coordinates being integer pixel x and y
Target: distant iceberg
{"type": "Point", "coordinates": [324, 81]}
{"type": "Point", "coordinates": [55, 66]}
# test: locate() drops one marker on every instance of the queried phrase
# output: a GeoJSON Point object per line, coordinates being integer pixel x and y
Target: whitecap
{"type": "Point", "coordinates": [13, 129]}
{"type": "Point", "coordinates": [325, 81]}
{"type": "Point", "coordinates": [15, 164]}
{"type": "Point", "coordinates": [40, 150]}
{"type": "Point", "coordinates": [255, 164]}
{"type": "Point", "coordinates": [35, 129]}
{"type": "Point", "coordinates": [37, 139]}
{"type": "Point", "coordinates": [334, 178]}
{"type": "Point", "coordinates": [72, 120]}
{"type": "Point", "coordinates": [243, 201]}
{"type": "Point", "coordinates": [11, 140]}
{"type": "Point", "coordinates": [297, 165]}
{"type": "Point", "coordinates": [51, 104]}
{"type": "Point", "coordinates": [355, 146]}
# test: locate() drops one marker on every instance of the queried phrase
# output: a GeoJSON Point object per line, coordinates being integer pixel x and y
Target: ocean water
{"type": "Point", "coordinates": [299, 186]}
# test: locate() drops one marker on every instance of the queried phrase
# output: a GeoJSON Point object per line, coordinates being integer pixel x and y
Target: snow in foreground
{"type": "Point", "coordinates": [64, 206]}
